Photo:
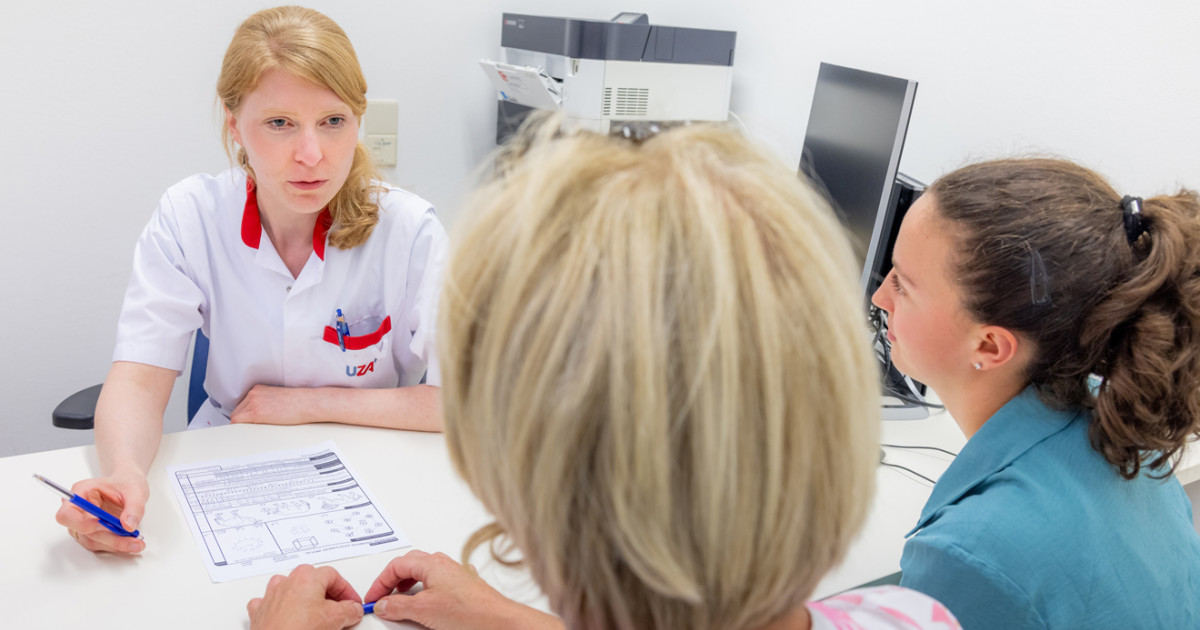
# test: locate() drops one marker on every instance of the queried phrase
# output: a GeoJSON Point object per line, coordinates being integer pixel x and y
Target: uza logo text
{"type": "Point", "coordinates": [360, 370]}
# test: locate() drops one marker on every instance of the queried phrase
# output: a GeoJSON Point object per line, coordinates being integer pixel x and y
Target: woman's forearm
{"type": "Point", "coordinates": [415, 408]}
{"type": "Point", "coordinates": [129, 415]}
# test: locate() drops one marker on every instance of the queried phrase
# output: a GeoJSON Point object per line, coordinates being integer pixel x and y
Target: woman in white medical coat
{"type": "Point", "coordinates": [315, 283]}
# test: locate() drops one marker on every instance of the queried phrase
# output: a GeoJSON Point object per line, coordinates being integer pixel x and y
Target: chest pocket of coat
{"type": "Point", "coordinates": [368, 343]}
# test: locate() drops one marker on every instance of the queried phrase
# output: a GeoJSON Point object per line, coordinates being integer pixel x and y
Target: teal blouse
{"type": "Point", "coordinates": [1030, 527]}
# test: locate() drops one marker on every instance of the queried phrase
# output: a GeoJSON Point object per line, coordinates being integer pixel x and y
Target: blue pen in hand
{"type": "Point", "coordinates": [369, 609]}
{"type": "Point", "coordinates": [343, 330]}
{"type": "Point", "coordinates": [108, 520]}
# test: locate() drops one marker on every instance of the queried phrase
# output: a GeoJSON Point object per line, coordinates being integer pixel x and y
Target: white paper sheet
{"type": "Point", "coordinates": [270, 512]}
{"type": "Point", "coordinates": [524, 85]}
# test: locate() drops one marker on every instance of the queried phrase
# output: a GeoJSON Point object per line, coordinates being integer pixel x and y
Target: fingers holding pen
{"type": "Point", "coordinates": [91, 535]}
{"type": "Point", "coordinates": [99, 512]}
{"type": "Point", "coordinates": [453, 596]}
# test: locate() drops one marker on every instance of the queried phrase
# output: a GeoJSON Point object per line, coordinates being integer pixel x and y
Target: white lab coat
{"type": "Point", "coordinates": [204, 262]}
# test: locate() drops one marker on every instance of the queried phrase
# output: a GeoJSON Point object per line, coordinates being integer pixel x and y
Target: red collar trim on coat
{"type": "Point", "coordinates": [252, 224]}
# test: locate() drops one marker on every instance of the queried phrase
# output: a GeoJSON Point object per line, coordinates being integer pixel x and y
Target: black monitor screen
{"type": "Point", "coordinates": [852, 151]}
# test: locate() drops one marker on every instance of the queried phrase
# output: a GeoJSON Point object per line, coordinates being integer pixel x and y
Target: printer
{"type": "Point", "coordinates": [599, 73]}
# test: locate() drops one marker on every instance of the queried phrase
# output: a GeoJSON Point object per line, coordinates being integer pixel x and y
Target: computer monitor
{"type": "Point", "coordinates": [851, 152]}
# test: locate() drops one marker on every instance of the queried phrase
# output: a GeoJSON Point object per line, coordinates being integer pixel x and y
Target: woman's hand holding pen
{"type": "Point", "coordinates": [122, 494]}
{"type": "Point", "coordinates": [454, 597]}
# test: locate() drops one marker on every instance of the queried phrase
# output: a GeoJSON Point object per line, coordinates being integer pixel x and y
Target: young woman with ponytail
{"type": "Point", "coordinates": [1060, 323]}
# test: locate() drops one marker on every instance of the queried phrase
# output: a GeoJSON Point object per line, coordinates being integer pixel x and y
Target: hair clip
{"type": "Point", "coordinates": [1039, 280]}
{"type": "Point", "coordinates": [1131, 212]}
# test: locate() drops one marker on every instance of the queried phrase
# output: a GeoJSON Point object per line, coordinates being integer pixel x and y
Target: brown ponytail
{"type": "Point", "coordinates": [1045, 252]}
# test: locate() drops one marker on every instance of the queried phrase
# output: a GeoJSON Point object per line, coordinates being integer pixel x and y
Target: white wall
{"type": "Point", "coordinates": [107, 104]}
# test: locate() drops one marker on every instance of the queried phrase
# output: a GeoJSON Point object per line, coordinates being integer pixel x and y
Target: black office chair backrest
{"type": "Point", "coordinates": [78, 411]}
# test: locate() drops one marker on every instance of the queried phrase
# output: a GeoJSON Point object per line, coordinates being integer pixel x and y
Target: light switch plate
{"type": "Point", "coordinates": [382, 118]}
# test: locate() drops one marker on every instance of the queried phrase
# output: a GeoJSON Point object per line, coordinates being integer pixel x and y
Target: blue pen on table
{"type": "Point", "coordinates": [343, 330]}
{"type": "Point", "coordinates": [108, 520]}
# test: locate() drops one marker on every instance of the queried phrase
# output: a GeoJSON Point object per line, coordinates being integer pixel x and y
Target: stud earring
{"type": "Point", "coordinates": [977, 366]}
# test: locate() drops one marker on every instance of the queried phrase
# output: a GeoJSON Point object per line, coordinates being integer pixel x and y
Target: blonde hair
{"type": "Point", "coordinates": [307, 44]}
{"type": "Point", "coordinates": [656, 377]}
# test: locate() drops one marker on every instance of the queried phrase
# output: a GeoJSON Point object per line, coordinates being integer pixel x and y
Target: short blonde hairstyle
{"type": "Point", "coordinates": [307, 44]}
{"type": "Point", "coordinates": [657, 378]}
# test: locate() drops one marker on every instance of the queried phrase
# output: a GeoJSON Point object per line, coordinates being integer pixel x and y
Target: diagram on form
{"type": "Point", "coordinates": [270, 512]}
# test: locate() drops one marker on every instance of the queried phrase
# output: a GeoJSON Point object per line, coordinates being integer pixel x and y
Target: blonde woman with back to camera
{"type": "Point", "coordinates": [655, 377]}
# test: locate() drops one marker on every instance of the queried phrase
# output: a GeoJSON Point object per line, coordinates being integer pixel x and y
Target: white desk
{"type": "Point", "coordinates": [899, 497]}
{"type": "Point", "coordinates": [49, 581]}
{"type": "Point", "coordinates": [1188, 471]}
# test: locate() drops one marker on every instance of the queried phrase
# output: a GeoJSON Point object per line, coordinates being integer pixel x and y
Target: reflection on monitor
{"type": "Point", "coordinates": [852, 152]}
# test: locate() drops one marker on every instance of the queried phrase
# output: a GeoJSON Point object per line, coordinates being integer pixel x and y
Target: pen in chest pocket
{"type": "Point", "coordinates": [343, 329]}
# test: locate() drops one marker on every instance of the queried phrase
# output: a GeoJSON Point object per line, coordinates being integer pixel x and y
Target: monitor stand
{"type": "Point", "coordinates": [895, 408]}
